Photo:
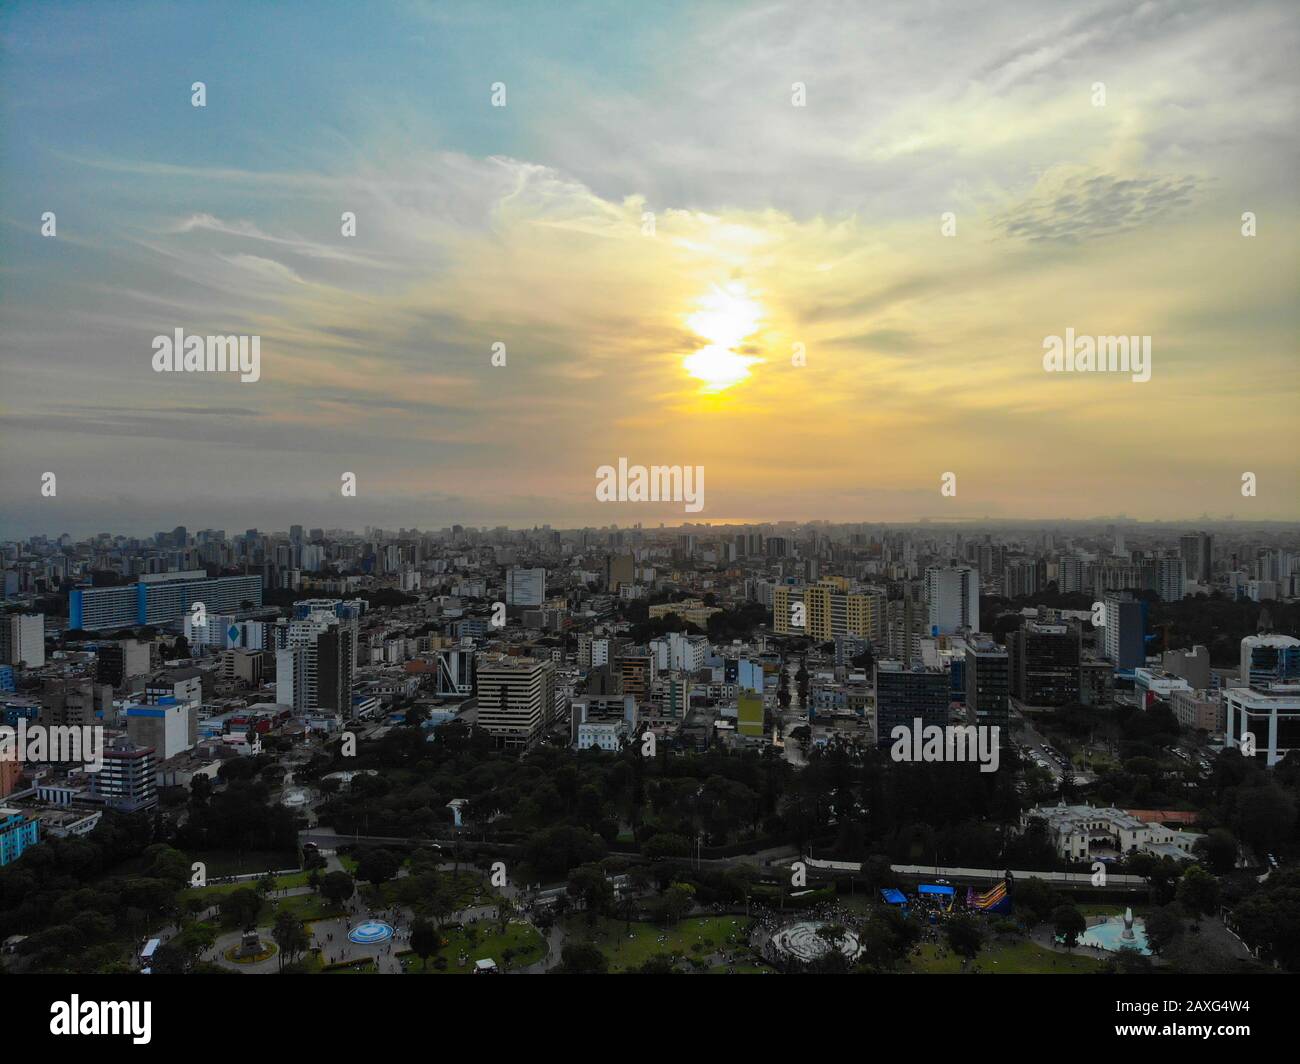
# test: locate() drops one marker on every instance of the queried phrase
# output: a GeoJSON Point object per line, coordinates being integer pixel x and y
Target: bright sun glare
{"type": "Point", "coordinates": [726, 315]}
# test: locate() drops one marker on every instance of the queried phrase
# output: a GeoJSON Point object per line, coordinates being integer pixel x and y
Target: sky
{"type": "Point", "coordinates": [813, 248]}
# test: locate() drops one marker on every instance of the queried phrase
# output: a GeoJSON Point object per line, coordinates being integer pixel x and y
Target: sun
{"type": "Point", "coordinates": [726, 315]}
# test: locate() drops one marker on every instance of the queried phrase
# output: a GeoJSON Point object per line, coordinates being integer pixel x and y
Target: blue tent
{"type": "Point", "coordinates": [893, 896]}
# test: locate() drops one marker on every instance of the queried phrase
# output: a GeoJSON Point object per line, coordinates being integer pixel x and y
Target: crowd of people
{"type": "Point", "coordinates": [768, 924]}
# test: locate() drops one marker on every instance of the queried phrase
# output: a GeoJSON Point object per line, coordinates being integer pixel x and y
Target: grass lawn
{"type": "Point", "coordinates": [861, 902]}
{"type": "Point", "coordinates": [611, 938]}
{"type": "Point", "coordinates": [523, 939]}
{"type": "Point", "coordinates": [303, 906]}
{"type": "Point", "coordinates": [1009, 958]}
{"type": "Point", "coordinates": [295, 879]}
{"type": "Point", "coordinates": [217, 891]}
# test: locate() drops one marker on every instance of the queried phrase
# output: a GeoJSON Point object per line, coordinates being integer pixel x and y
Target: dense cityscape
{"type": "Point", "coordinates": [670, 749]}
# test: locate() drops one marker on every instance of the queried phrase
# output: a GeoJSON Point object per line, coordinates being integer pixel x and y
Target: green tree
{"type": "Point", "coordinates": [964, 936]}
{"type": "Point", "coordinates": [1198, 891]}
{"type": "Point", "coordinates": [590, 884]}
{"type": "Point", "coordinates": [337, 888]}
{"type": "Point", "coordinates": [1069, 923]}
{"type": "Point", "coordinates": [1035, 900]}
{"type": "Point", "coordinates": [676, 902]}
{"type": "Point", "coordinates": [290, 936]}
{"type": "Point", "coordinates": [1164, 927]}
{"type": "Point", "coordinates": [377, 865]}
{"type": "Point", "coordinates": [425, 940]}
{"type": "Point", "coordinates": [240, 907]}
{"type": "Point", "coordinates": [1218, 849]}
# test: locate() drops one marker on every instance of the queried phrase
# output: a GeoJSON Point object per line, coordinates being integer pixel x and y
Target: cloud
{"type": "Point", "coordinates": [1072, 207]}
{"type": "Point", "coordinates": [475, 229]}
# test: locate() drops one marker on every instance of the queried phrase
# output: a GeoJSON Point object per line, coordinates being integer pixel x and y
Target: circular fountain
{"type": "Point", "coordinates": [1114, 935]}
{"type": "Point", "coordinates": [371, 933]}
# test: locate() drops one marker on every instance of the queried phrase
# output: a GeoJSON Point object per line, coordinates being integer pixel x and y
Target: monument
{"type": "Point", "coordinates": [1128, 935]}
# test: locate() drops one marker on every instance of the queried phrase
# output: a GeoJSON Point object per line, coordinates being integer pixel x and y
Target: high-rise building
{"type": "Point", "coordinates": [620, 570]}
{"type": "Point", "coordinates": [525, 587]}
{"type": "Point", "coordinates": [1019, 577]}
{"type": "Point", "coordinates": [336, 668]}
{"type": "Point", "coordinates": [988, 682]}
{"type": "Point", "coordinates": [159, 599]}
{"type": "Point", "coordinates": [637, 672]}
{"type": "Point", "coordinates": [126, 780]}
{"type": "Point", "coordinates": [73, 702]}
{"type": "Point", "coordinates": [952, 595]}
{"type": "Point", "coordinates": [1270, 659]}
{"type": "Point", "coordinates": [1196, 549]}
{"type": "Point", "coordinates": [828, 611]}
{"type": "Point", "coordinates": [1070, 574]}
{"type": "Point", "coordinates": [168, 728]}
{"type": "Point", "coordinates": [295, 677]}
{"type": "Point", "coordinates": [455, 677]}
{"type": "Point", "coordinates": [1043, 660]}
{"type": "Point", "coordinates": [316, 667]}
{"type": "Point", "coordinates": [1123, 638]}
{"type": "Point", "coordinates": [1167, 577]}
{"type": "Point", "coordinates": [22, 639]}
{"type": "Point", "coordinates": [906, 620]}
{"type": "Point", "coordinates": [115, 663]}
{"type": "Point", "coordinates": [904, 695]}
{"type": "Point", "coordinates": [1271, 717]}
{"type": "Point", "coordinates": [1096, 681]}
{"type": "Point", "coordinates": [516, 699]}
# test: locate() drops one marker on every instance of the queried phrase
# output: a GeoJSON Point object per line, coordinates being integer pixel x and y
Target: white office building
{"type": "Point", "coordinates": [603, 734]}
{"type": "Point", "coordinates": [1271, 717]}
{"type": "Point", "coordinates": [525, 587]}
{"type": "Point", "coordinates": [952, 594]}
{"type": "Point", "coordinates": [516, 699]}
{"type": "Point", "coordinates": [22, 639]}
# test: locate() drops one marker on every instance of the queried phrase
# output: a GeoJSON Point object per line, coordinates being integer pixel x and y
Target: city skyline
{"type": "Point", "coordinates": [817, 253]}
{"type": "Point", "coordinates": [1083, 526]}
